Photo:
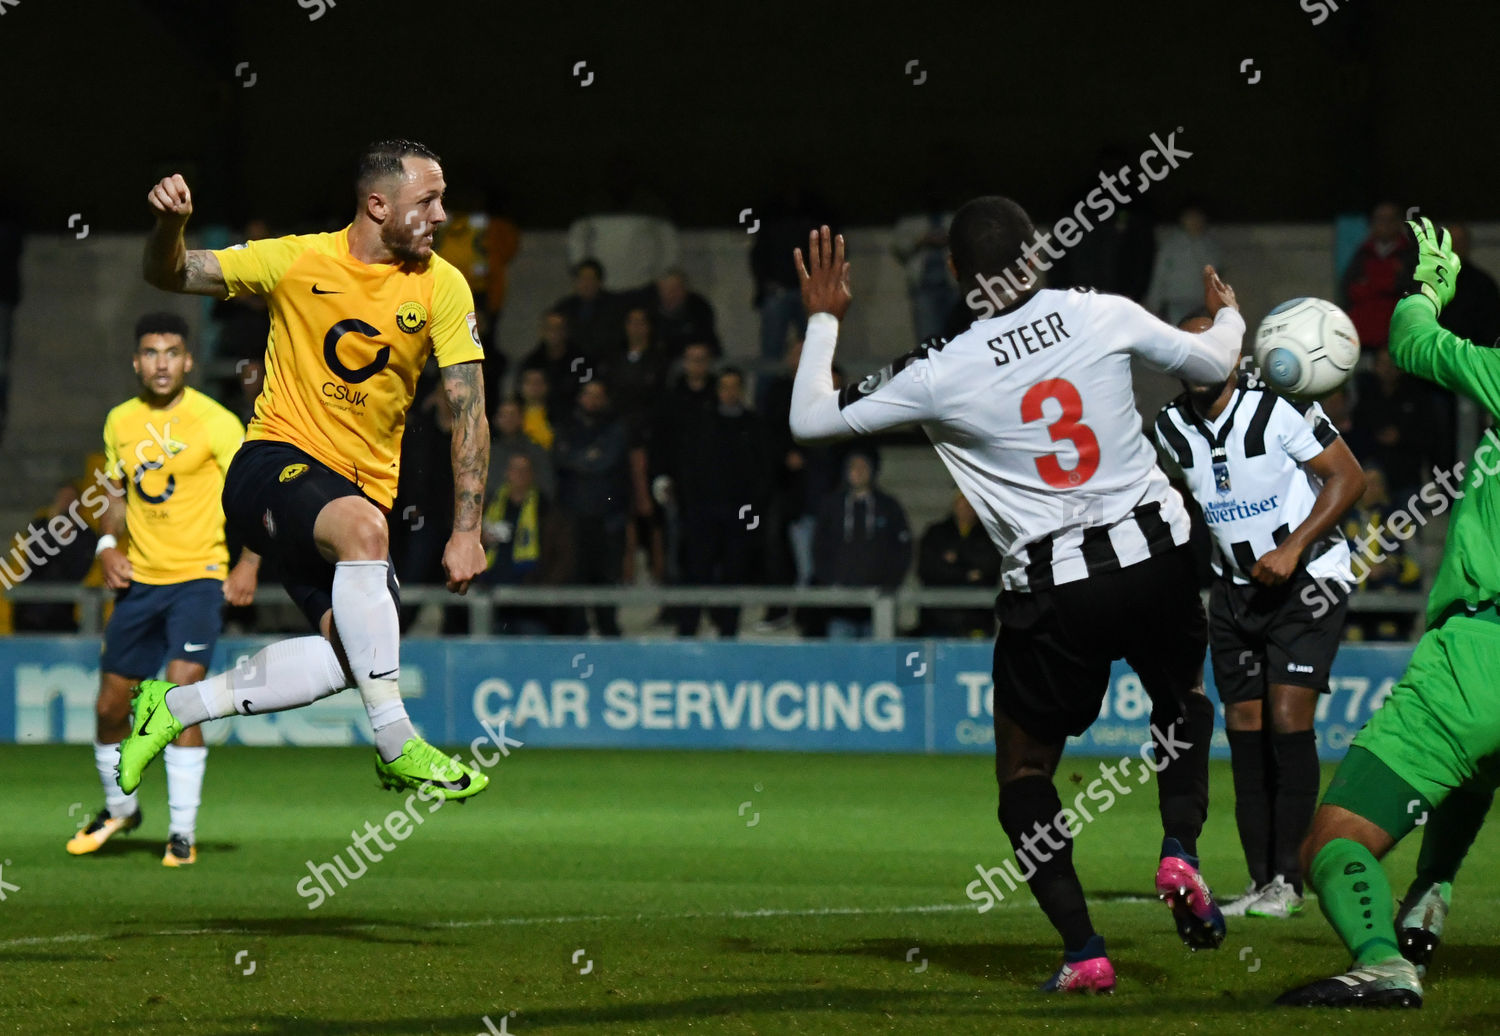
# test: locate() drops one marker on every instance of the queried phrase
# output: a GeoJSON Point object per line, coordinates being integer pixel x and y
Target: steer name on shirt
{"type": "Point", "coordinates": [1028, 338]}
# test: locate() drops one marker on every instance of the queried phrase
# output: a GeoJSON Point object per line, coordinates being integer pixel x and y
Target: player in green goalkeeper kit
{"type": "Point", "coordinates": [1431, 752]}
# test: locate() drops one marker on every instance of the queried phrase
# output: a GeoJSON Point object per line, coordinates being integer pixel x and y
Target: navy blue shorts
{"type": "Point", "coordinates": [273, 493]}
{"type": "Point", "coordinates": [152, 624]}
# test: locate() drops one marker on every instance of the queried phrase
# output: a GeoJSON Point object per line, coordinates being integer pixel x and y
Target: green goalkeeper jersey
{"type": "Point", "coordinates": [1470, 570]}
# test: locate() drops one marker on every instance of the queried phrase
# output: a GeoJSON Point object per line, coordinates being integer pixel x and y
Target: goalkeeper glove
{"type": "Point", "coordinates": [1436, 275]}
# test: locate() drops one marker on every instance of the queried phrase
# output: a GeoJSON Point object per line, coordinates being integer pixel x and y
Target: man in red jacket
{"type": "Point", "coordinates": [1375, 276]}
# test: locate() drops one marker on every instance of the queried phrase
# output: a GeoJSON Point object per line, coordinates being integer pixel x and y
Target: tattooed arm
{"type": "Point", "coordinates": [115, 561]}
{"type": "Point", "coordinates": [169, 265]}
{"type": "Point", "coordinates": [463, 558]}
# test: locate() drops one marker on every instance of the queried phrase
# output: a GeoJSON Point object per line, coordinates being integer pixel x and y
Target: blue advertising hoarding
{"type": "Point", "coordinates": [888, 696]}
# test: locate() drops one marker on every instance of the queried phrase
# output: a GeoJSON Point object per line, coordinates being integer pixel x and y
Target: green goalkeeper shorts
{"type": "Point", "coordinates": [1440, 727]}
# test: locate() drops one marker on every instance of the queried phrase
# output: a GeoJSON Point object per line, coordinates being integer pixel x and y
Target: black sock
{"type": "Point", "coordinates": [1449, 835]}
{"type": "Point", "coordinates": [1248, 751]}
{"type": "Point", "coordinates": [1296, 797]}
{"type": "Point", "coordinates": [1182, 783]}
{"type": "Point", "coordinates": [1028, 810]}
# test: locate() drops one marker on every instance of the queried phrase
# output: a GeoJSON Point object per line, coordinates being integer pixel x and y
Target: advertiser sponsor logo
{"type": "Point", "coordinates": [1233, 510]}
{"type": "Point", "coordinates": [690, 705]}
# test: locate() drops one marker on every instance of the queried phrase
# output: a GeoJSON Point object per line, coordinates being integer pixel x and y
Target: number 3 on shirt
{"type": "Point", "coordinates": [1068, 426]}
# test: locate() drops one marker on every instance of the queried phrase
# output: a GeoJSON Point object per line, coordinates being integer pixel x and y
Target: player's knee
{"type": "Point", "coordinates": [1243, 715]}
{"type": "Point", "coordinates": [1191, 707]}
{"type": "Point", "coordinates": [1025, 802]}
{"type": "Point", "coordinates": [1196, 704]}
{"type": "Point", "coordinates": [1292, 709]}
{"type": "Point", "coordinates": [1319, 834]}
{"type": "Point", "coordinates": [366, 538]}
{"type": "Point", "coordinates": [112, 710]}
{"type": "Point", "coordinates": [1311, 846]}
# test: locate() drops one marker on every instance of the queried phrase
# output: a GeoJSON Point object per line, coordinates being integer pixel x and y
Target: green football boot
{"type": "Point", "coordinates": [419, 763]}
{"type": "Point", "coordinates": [152, 728]}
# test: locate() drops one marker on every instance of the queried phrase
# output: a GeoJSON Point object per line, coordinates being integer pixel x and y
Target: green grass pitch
{"type": "Point", "coordinates": [638, 892]}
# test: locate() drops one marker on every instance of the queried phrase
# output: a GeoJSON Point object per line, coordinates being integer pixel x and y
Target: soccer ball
{"type": "Point", "coordinates": [1306, 347]}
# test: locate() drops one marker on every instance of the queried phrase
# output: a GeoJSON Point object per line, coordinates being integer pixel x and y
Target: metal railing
{"type": "Point", "coordinates": [884, 607]}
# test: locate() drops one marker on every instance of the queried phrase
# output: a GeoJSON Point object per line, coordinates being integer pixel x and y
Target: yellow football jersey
{"type": "Point", "coordinates": [348, 340]}
{"type": "Point", "coordinates": [173, 463]}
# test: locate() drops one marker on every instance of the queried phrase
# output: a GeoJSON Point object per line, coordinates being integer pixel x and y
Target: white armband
{"type": "Point", "coordinates": [105, 542]}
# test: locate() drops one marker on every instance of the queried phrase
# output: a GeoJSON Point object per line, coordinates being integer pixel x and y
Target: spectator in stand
{"type": "Point", "coordinates": [1337, 409]}
{"type": "Point", "coordinates": [252, 378]}
{"type": "Point", "coordinates": [1474, 312]}
{"type": "Point", "coordinates": [527, 542]}
{"type": "Point", "coordinates": [565, 367]}
{"type": "Point", "coordinates": [1118, 254]}
{"type": "Point", "coordinates": [423, 509]}
{"type": "Point", "coordinates": [958, 552]}
{"type": "Point", "coordinates": [784, 223]}
{"type": "Point", "coordinates": [637, 376]}
{"type": "Point", "coordinates": [590, 454]}
{"type": "Point", "coordinates": [595, 316]}
{"type": "Point", "coordinates": [920, 244]}
{"type": "Point", "coordinates": [481, 247]}
{"type": "Point", "coordinates": [1393, 424]}
{"type": "Point", "coordinates": [536, 411]}
{"type": "Point", "coordinates": [1176, 290]}
{"type": "Point", "coordinates": [67, 550]}
{"type": "Point", "coordinates": [243, 326]}
{"type": "Point", "coordinates": [636, 379]}
{"type": "Point", "coordinates": [801, 476]}
{"type": "Point", "coordinates": [680, 315]}
{"type": "Point", "coordinates": [720, 478]}
{"type": "Point", "coordinates": [1376, 275]}
{"type": "Point", "coordinates": [646, 529]}
{"type": "Point", "coordinates": [1394, 571]}
{"type": "Point", "coordinates": [788, 491]}
{"type": "Point", "coordinates": [682, 412]}
{"type": "Point", "coordinates": [862, 539]}
{"type": "Point", "coordinates": [693, 386]}
{"type": "Point", "coordinates": [509, 439]}
{"type": "Point", "coordinates": [822, 468]}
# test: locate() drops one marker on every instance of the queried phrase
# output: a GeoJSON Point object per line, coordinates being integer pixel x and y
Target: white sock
{"type": "Point", "coordinates": [371, 633]}
{"type": "Point", "coordinates": [185, 768]}
{"type": "Point", "coordinates": [107, 761]}
{"type": "Point", "coordinates": [285, 675]}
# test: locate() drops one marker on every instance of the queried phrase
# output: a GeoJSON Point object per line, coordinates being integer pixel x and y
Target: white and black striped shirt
{"type": "Point", "coordinates": [1255, 492]}
{"type": "Point", "coordinates": [1033, 412]}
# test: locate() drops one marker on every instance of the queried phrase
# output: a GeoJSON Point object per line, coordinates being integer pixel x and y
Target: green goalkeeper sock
{"type": "Point", "coordinates": [1356, 898]}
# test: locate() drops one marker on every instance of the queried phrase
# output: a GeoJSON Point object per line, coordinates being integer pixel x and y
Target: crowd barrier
{"type": "Point", "coordinates": [929, 696]}
{"type": "Point", "coordinates": [884, 606]}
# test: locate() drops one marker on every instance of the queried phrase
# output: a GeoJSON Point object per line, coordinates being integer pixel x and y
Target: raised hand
{"type": "Point", "coordinates": [171, 199]}
{"type": "Point", "coordinates": [825, 289]}
{"type": "Point", "coordinates": [1436, 275]}
{"type": "Point", "coordinates": [1216, 294]}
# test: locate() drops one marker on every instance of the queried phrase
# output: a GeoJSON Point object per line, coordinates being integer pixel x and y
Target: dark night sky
{"type": "Point", "coordinates": [709, 106]}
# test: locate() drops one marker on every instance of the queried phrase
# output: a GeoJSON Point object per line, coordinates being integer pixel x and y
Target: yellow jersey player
{"type": "Point", "coordinates": [166, 453]}
{"type": "Point", "coordinates": [354, 315]}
